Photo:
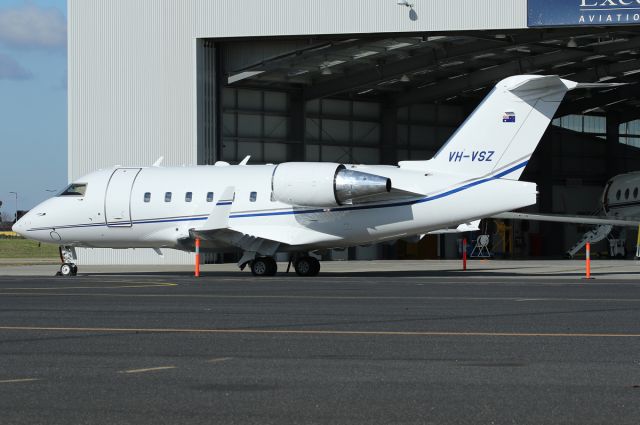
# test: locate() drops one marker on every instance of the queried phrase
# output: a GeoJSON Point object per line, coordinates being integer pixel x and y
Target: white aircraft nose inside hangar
{"type": "Point", "coordinates": [351, 81]}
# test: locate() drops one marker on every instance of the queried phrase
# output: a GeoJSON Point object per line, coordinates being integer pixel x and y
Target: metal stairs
{"type": "Point", "coordinates": [594, 235]}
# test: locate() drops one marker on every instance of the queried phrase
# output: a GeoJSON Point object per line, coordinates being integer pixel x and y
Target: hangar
{"type": "Point", "coordinates": [350, 81]}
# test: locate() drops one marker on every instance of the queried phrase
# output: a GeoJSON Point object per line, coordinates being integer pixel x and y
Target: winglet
{"type": "Point", "coordinates": [158, 162]}
{"type": "Point", "coordinates": [219, 217]}
{"type": "Point", "coordinates": [245, 161]}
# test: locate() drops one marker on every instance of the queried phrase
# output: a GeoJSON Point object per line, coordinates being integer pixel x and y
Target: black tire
{"type": "Point", "coordinates": [264, 266]}
{"type": "Point", "coordinates": [307, 266]}
{"type": "Point", "coordinates": [74, 270]}
{"type": "Point", "coordinates": [316, 266]}
{"type": "Point", "coordinates": [273, 266]}
{"type": "Point", "coordinates": [66, 270]}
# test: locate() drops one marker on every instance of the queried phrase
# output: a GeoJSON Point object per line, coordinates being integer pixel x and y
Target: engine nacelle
{"type": "Point", "coordinates": [324, 184]}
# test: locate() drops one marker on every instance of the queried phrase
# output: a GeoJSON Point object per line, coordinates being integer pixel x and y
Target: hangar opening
{"type": "Point", "coordinates": [384, 98]}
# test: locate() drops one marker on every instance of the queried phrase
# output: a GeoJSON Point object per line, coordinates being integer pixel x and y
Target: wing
{"type": "Point", "coordinates": [216, 228]}
{"type": "Point", "coordinates": [244, 241]}
{"type": "Point", "coordinates": [577, 219]}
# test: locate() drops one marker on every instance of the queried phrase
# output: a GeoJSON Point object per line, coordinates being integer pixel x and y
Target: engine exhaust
{"type": "Point", "coordinates": [351, 185]}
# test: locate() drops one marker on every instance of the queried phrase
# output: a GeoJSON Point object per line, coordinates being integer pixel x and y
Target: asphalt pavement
{"type": "Point", "coordinates": [405, 348]}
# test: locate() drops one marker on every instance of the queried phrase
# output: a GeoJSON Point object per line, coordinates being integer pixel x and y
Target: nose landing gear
{"type": "Point", "coordinates": [68, 267]}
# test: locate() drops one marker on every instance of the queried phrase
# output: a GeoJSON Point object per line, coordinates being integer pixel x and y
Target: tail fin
{"type": "Point", "coordinates": [504, 130]}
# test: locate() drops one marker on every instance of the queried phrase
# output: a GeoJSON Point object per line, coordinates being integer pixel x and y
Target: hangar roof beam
{"type": "Point", "coordinates": [599, 72]}
{"type": "Point", "coordinates": [432, 56]}
{"type": "Point", "coordinates": [347, 51]}
{"type": "Point", "coordinates": [599, 100]}
{"type": "Point", "coordinates": [435, 91]}
{"type": "Point", "coordinates": [391, 70]}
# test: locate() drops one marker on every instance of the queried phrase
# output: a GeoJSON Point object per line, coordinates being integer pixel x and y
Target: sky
{"type": "Point", "coordinates": [33, 101]}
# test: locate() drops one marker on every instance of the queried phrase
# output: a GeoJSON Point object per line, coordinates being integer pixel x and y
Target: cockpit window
{"type": "Point", "coordinates": [74, 189]}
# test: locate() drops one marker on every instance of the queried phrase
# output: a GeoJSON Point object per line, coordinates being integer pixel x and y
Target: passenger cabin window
{"type": "Point", "coordinates": [167, 197]}
{"type": "Point", "coordinates": [618, 193]}
{"type": "Point", "coordinates": [74, 189]}
{"type": "Point", "coordinates": [147, 196]}
{"type": "Point", "coordinates": [253, 196]}
{"type": "Point", "coordinates": [209, 196]}
{"type": "Point", "coordinates": [626, 194]}
{"type": "Point", "coordinates": [188, 196]}
{"type": "Point", "coordinates": [635, 192]}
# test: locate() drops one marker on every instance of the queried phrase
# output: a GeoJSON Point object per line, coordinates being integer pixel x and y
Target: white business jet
{"type": "Point", "coordinates": [300, 207]}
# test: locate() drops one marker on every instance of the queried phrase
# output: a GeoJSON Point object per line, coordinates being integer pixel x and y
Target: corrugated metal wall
{"type": "Point", "coordinates": [131, 96]}
{"type": "Point", "coordinates": [100, 256]}
{"type": "Point", "coordinates": [227, 18]}
{"type": "Point", "coordinates": [132, 79]}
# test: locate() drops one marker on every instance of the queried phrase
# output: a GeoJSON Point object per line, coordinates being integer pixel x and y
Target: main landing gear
{"type": "Point", "coordinates": [306, 266]}
{"type": "Point", "coordinates": [68, 267]}
{"type": "Point", "coordinates": [266, 266]}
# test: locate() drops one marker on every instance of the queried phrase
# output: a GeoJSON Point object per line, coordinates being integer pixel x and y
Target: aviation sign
{"type": "Point", "coordinates": [549, 13]}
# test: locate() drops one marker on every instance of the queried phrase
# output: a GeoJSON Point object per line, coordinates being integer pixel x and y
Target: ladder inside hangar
{"type": "Point", "coordinates": [594, 235]}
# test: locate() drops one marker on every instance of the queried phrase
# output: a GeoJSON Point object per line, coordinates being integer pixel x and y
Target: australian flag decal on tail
{"type": "Point", "coordinates": [509, 117]}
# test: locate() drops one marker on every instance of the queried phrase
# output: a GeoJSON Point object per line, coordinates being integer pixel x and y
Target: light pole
{"type": "Point", "coordinates": [16, 193]}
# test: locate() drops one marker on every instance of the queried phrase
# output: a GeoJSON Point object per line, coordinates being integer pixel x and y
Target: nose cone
{"type": "Point", "coordinates": [18, 227]}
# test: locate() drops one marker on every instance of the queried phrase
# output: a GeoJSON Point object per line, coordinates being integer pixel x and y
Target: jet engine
{"type": "Point", "coordinates": [324, 184]}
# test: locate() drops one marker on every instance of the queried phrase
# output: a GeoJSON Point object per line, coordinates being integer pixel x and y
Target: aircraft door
{"type": "Point", "coordinates": [117, 200]}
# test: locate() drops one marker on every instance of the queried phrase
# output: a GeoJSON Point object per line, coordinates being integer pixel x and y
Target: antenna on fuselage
{"type": "Point", "coordinates": [158, 162]}
{"type": "Point", "coordinates": [245, 160]}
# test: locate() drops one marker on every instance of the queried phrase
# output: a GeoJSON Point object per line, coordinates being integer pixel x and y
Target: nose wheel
{"type": "Point", "coordinates": [68, 267]}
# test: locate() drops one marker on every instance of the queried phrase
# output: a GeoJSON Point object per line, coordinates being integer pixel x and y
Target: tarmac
{"type": "Point", "coordinates": [481, 269]}
{"type": "Point", "coordinates": [362, 343]}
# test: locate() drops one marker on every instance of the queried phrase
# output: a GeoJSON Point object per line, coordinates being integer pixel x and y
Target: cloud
{"type": "Point", "coordinates": [30, 26]}
{"type": "Point", "coordinates": [10, 69]}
